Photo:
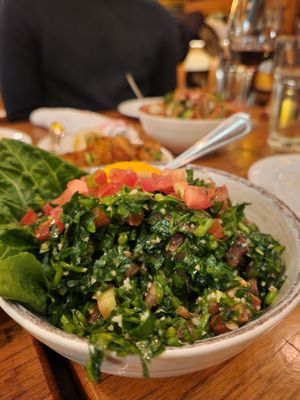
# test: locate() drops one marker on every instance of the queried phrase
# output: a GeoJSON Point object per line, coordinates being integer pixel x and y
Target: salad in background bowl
{"type": "Point", "coordinates": [183, 117]}
{"type": "Point", "coordinates": [159, 273]}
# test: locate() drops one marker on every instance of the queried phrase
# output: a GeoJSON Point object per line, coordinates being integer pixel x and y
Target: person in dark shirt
{"type": "Point", "coordinates": [75, 53]}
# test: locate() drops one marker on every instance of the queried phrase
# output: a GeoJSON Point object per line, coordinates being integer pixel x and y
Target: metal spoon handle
{"type": "Point", "coordinates": [233, 128]}
{"type": "Point", "coordinates": [134, 87]}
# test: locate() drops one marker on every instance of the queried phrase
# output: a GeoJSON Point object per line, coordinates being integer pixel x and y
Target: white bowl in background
{"type": "Point", "coordinates": [176, 134]}
{"type": "Point", "coordinates": [272, 216]}
{"type": "Point", "coordinates": [131, 108]}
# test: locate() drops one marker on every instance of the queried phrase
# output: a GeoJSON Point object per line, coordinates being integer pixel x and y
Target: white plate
{"type": "Point", "coordinates": [8, 133]}
{"type": "Point", "coordinates": [130, 108]}
{"type": "Point", "coordinates": [280, 175]}
{"type": "Point", "coordinates": [76, 142]}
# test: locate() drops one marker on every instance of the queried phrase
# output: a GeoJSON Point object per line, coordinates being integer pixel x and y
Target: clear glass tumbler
{"type": "Point", "coordinates": [284, 132]}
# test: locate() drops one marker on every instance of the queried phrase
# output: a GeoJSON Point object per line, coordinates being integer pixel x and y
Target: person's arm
{"type": "Point", "coordinates": [20, 64]}
{"type": "Point", "coordinates": [163, 78]}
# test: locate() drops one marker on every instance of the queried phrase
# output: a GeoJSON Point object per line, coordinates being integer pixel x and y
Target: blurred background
{"type": "Point", "coordinates": [206, 50]}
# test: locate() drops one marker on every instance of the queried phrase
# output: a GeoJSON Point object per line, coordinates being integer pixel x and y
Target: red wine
{"type": "Point", "coordinates": [252, 56]}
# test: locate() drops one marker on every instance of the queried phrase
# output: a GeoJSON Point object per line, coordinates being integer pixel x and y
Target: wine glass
{"type": "Point", "coordinates": [253, 27]}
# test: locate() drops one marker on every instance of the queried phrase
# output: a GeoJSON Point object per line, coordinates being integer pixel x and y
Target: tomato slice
{"type": "Point", "coordinates": [159, 183]}
{"type": "Point", "coordinates": [76, 185]}
{"type": "Point", "coordinates": [56, 214]}
{"type": "Point", "coordinates": [29, 218]}
{"type": "Point", "coordinates": [176, 175]}
{"type": "Point", "coordinates": [195, 197]}
{"type": "Point", "coordinates": [100, 218]}
{"type": "Point", "coordinates": [43, 231]}
{"type": "Point", "coordinates": [179, 188]}
{"type": "Point", "coordinates": [147, 184]}
{"type": "Point", "coordinates": [135, 219]}
{"type": "Point", "coordinates": [221, 194]}
{"type": "Point", "coordinates": [108, 189]}
{"type": "Point", "coordinates": [125, 177]}
{"type": "Point", "coordinates": [216, 230]}
{"type": "Point", "coordinates": [99, 177]}
{"type": "Point", "coordinates": [47, 208]}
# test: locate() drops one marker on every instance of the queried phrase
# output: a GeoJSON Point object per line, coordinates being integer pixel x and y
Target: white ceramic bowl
{"type": "Point", "coordinates": [174, 133]}
{"type": "Point", "coordinates": [272, 216]}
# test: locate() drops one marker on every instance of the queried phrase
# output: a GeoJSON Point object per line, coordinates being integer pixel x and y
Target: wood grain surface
{"type": "Point", "coordinates": [24, 370]}
{"type": "Point", "coordinates": [268, 369]}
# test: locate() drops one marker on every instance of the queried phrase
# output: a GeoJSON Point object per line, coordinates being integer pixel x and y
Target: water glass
{"type": "Point", "coordinates": [284, 132]}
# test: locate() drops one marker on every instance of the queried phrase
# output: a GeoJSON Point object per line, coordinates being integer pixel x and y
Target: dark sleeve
{"type": "Point", "coordinates": [189, 26]}
{"type": "Point", "coordinates": [20, 66]}
{"type": "Point", "coordinates": [164, 75]}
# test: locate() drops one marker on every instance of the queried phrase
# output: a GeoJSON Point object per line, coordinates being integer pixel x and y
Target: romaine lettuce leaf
{"type": "Point", "coordinates": [22, 279]}
{"type": "Point", "coordinates": [29, 177]}
{"type": "Point", "coordinates": [17, 240]}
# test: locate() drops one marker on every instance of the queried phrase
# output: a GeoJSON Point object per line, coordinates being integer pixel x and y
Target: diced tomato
{"type": "Point", "coordinates": [147, 184]}
{"type": "Point", "coordinates": [56, 214]}
{"type": "Point", "coordinates": [195, 197]}
{"type": "Point", "coordinates": [47, 208]}
{"type": "Point", "coordinates": [175, 175]}
{"type": "Point", "coordinates": [135, 219]}
{"type": "Point", "coordinates": [216, 230]}
{"type": "Point", "coordinates": [43, 231]}
{"type": "Point", "coordinates": [108, 189]}
{"type": "Point", "coordinates": [100, 218]}
{"type": "Point", "coordinates": [211, 189]}
{"type": "Point", "coordinates": [221, 194]}
{"type": "Point", "coordinates": [76, 185]}
{"type": "Point", "coordinates": [179, 188]}
{"type": "Point", "coordinates": [125, 177]}
{"type": "Point", "coordinates": [29, 218]}
{"type": "Point", "coordinates": [100, 177]}
{"type": "Point", "coordinates": [160, 183]}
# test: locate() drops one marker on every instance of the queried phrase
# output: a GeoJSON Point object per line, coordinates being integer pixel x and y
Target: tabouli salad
{"type": "Point", "coordinates": [137, 264]}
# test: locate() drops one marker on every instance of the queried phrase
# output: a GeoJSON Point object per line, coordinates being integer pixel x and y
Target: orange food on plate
{"type": "Point", "coordinates": [101, 150]}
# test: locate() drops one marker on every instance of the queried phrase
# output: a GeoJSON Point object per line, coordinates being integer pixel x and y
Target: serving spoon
{"type": "Point", "coordinates": [232, 128]}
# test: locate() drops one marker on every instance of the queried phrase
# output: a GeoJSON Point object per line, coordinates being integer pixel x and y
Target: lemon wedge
{"type": "Point", "coordinates": [141, 168]}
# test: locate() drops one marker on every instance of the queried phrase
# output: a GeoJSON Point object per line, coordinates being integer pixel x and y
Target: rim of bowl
{"type": "Point", "coordinates": [193, 121]}
{"type": "Point", "coordinates": [243, 334]}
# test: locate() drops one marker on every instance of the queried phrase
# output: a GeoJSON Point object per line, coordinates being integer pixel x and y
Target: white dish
{"type": "Point", "coordinates": [76, 142]}
{"type": "Point", "coordinates": [130, 108]}
{"type": "Point", "coordinates": [72, 119]}
{"type": "Point", "coordinates": [8, 133]}
{"type": "Point", "coordinates": [174, 133]}
{"type": "Point", "coordinates": [280, 174]}
{"type": "Point", "coordinates": [264, 210]}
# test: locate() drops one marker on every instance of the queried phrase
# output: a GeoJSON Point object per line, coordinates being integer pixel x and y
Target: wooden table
{"type": "Point", "coordinates": [268, 369]}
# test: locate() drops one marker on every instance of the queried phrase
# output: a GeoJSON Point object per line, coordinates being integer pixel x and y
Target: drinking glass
{"type": "Point", "coordinates": [253, 27]}
{"type": "Point", "coordinates": [284, 132]}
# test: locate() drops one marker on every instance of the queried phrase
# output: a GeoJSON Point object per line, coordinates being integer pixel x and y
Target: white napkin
{"type": "Point", "coordinates": [75, 121]}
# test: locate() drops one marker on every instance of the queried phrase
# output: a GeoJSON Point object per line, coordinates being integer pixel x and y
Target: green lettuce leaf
{"type": "Point", "coordinates": [17, 240]}
{"type": "Point", "coordinates": [22, 279]}
{"type": "Point", "coordinates": [29, 177]}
